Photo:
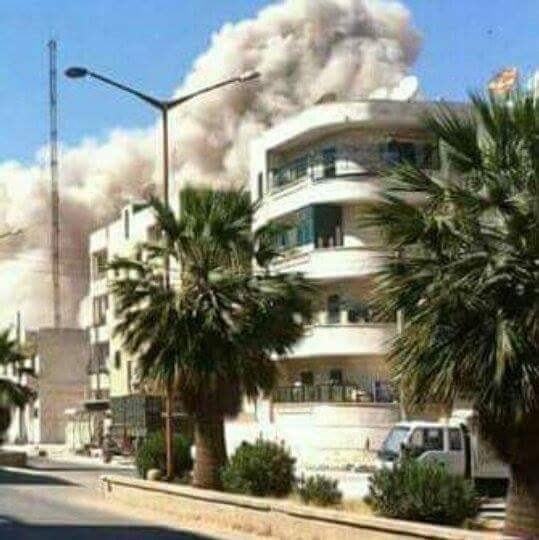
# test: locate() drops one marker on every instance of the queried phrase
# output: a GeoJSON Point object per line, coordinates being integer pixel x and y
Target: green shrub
{"type": "Point", "coordinates": [319, 490]}
{"type": "Point", "coordinates": [151, 454]}
{"type": "Point", "coordinates": [263, 468]}
{"type": "Point", "coordinates": [422, 492]}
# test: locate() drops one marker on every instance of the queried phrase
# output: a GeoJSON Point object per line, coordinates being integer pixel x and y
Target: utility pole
{"type": "Point", "coordinates": [19, 367]}
{"type": "Point", "coordinates": [55, 198]}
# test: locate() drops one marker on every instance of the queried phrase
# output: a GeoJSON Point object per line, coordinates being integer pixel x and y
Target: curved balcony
{"type": "Point", "coordinates": [330, 263]}
{"type": "Point", "coordinates": [345, 340]}
{"type": "Point", "coordinates": [306, 192]}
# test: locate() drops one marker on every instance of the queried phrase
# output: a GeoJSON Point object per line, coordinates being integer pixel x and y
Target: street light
{"type": "Point", "coordinates": [164, 106]}
{"type": "Point", "coordinates": [77, 72]}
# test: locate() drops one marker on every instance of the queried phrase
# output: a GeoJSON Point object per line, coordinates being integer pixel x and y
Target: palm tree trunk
{"type": "Point", "coordinates": [522, 519]}
{"type": "Point", "coordinates": [210, 452]}
{"type": "Point", "coordinates": [169, 432]}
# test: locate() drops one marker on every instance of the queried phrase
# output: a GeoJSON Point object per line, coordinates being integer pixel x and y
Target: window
{"type": "Point", "coordinates": [117, 360]}
{"type": "Point", "coordinates": [100, 358]}
{"type": "Point", "coordinates": [335, 376]}
{"type": "Point", "coordinates": [416, 439]}
{"type": "Point", "coordinates": [433, 439]}
{"type": "Point", "coordinates": [299, 230]}
{"type": "Point", "coordinates": [260, 185]}
{"type": "Point", "coordinates": [126, 223]}
{"type": "Point", "coordinates": [329, 162]}
{"type": "Point", "coordinates": [298, 169]}
{"type": "Point", "coordinates": [100, 307]}
{"type": "Point", "coordinates": [334, 309]}
{"type": "Point", "coordinates": [306, 378]}
{"type": "Point", "coordinates": [455, 439]}
{"type": "Point", "coordinates": [99, 264]}
{"type": "Point", "coordinates": [427, 439]}
{"type": "Point", "coordinates": [400, 152]}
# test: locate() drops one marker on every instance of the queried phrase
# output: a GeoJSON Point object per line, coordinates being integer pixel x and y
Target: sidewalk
{"type": "Point", "coordinates": [58, 452]}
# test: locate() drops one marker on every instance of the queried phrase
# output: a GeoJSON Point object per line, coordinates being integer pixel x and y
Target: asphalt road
{"type": "Point", "coordinates": [59, 501]}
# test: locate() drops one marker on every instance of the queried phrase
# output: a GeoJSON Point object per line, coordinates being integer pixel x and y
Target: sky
{"type": "Point", "coordinates": [152, 44]}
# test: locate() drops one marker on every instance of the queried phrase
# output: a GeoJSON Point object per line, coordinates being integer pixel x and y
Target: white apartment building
{"type": "Point", "coordinates": [112, 399]}
{"type": "Point", "coordinates": [334, 403]}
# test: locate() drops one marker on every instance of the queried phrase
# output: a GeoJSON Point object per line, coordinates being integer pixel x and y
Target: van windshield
{"type": "Point", "coordinates": [396, 436]}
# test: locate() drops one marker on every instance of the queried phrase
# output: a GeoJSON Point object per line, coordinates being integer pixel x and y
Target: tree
{"type": "Point", "coordinates": [212, 336]}
{"type": "Point", "coordinates": [467, 279]}
{"type": "Point", "coordinates": [12, 393]}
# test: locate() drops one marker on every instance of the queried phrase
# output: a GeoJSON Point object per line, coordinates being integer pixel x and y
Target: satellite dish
{"type": "Point", "coordinates": [406, 90]}
{"type": "Point", "coordinates": [379, 93]}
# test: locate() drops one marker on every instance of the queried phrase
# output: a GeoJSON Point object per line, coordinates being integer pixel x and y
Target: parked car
{"type": "Point", "coordinates": [454, 442]}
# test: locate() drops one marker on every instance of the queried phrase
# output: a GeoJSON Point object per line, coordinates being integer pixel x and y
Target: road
{"type": "Point", "coordinates": [59, 501]}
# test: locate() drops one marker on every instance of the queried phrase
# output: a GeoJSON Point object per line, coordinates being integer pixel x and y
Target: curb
{"type": "Point", "coordinates": [261, 513]}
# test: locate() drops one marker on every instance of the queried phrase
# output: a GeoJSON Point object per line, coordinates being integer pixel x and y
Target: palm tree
{"type": "Point", "coordinates": [12, 394]}
{"type": "Point", "coordinates": [468, 279]}
{"type": "Point", "coordinates": [213, 335]}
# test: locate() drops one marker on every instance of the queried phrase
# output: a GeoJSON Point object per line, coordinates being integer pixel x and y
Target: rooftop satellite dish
{"type": "Point", "coordinates": [379, 93]}
{"type": "Point", "coordinates": [406, 90]}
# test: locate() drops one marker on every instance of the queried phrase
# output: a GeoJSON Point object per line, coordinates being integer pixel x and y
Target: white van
{"type": "Point", "coordinates": [454, 442]}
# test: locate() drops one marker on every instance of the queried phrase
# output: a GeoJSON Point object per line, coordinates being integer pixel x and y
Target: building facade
{"type": "Point", "coordinates": [56, 373]}
{"type": "Point", "coordinates": [114, 400]}
{"type": "Point", "coordinates": [335, 403]}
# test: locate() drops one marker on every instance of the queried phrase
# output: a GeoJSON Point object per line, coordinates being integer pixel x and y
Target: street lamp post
{"type": "Point", "coordinates": [164, 106]}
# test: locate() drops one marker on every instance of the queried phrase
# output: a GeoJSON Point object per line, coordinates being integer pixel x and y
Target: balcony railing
{"type": "Point", "coordinates": [351, 160]}
{"type": "Point", "coordinates": [380, 392]}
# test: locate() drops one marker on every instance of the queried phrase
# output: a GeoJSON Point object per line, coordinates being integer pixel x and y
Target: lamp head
{"type": "Point", "coordinates": [249, 76]}
{"type": "Point", "coordinates": [76, 72]}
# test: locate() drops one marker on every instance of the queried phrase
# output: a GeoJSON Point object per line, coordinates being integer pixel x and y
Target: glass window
{"type": "Point", "coordinates": [416, 439]}
{"type": "Point", "coordinates": [334, 309]}
{"type": "Point", "coordinates": [395, 438]}
{"type": "Point", "coordinates": [99, 264]}
{"type": "Point", "coordinates": [299, 230]}
{"type": "Point", "coordinates": [329, 162]}
{"type": "Point", "coordinates": [399, 152]}
{"type": "Point", "coordinates": [455, 439]}
{"type": "Point", "coordinates": [433, 439]}
{"type": "Point", "coordinates": [100, 357]}
{"type": "Point", "coordinates": [100, 307]}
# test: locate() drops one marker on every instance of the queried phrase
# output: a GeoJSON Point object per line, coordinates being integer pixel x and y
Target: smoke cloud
{"type": "Point", "coordinates": [303, 48]}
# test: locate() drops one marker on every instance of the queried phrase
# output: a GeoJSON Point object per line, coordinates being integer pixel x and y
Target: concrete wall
{"type": "Point", "coordinates": [318, 434]}
{"type": "Point", "coordinates": [62, 358]}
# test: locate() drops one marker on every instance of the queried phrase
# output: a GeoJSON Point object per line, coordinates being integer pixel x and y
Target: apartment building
{"type": "Point", "coordinates": [113, 398]}
{"type": "Point", "coordinates": [56, 373]}
{"type": "Point", "coordinates": [335, 402]}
